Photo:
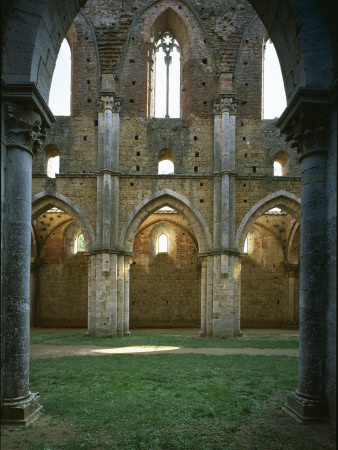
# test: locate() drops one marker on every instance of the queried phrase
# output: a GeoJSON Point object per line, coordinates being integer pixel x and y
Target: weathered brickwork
{"type": "Point", "coordinates": [59, 285]}
{"type": "Point", "coordinates": [223, 184]}
{"type": "Point", "coordinates": [165, 287]}
{"type": "Point", "coordinates": [109, 157]}
{"type": "Point", "coordinates": [250, 190]}
{"type": "Point", "coordinates": [269, 272]}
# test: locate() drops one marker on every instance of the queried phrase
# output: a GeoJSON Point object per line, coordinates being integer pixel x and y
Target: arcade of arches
{"type": "Point", "coordinates": [115, 241]}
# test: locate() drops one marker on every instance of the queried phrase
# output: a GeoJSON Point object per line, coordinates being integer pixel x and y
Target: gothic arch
{"type": "Point", "coordinates": [42, 201]}
{"type": "Point", "coordinates": [152, 203]}
{"type": "Point", "coordinates": [287, 201]}
{"type": "Point", "coordinates": [297, 33]}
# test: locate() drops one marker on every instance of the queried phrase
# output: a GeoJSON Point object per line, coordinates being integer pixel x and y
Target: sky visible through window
{"type": "Point", "coordinates": [274, 94]}
{"type": "Point", "coordinates": [174, 84]}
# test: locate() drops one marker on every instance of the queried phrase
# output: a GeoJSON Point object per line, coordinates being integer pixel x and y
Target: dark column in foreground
{"type": "Point", "coordinates": [23, 138]}
{"type": "Point", "coordinates": [305, 120]}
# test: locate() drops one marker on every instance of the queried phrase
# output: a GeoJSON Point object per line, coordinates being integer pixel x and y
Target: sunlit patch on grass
{"type": "Point", "coordinates": [134, 349]}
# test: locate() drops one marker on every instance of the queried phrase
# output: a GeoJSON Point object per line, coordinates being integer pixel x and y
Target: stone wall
{"type": "Point", "coordinates": [165, 287]}
{"type": "Point", "coordinates": [61, 282]}
{"type": "Point", "coordinates": [222, 49]}
{"type": "Point", "coordinates": [273, 244]}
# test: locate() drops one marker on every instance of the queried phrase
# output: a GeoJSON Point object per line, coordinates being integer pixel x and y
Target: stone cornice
{"type": "Point", "coordinates": [98, 251]}
{"type": "Point", "coordinates": [27, 93]}
{"type": "Point", "coordinates": [306, 103]}
{"type": "Point", "coordinates": [306, 121]}
{"type": "Point", "coordinates": [218, 252]}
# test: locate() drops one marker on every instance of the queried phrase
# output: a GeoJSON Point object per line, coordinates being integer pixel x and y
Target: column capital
{"type": "Point", "coordinates": [225, 102]}
{"type": "Point", "coordinates": [28, 95]}
{"type": "Point", "coordinates": [23, 127]}
{"type": "Point", "coordinates": [109, 100]}
{"type": "Point", "coordinates": [306, 121]}
{"type": "Point", "coordinates": [128, 259]}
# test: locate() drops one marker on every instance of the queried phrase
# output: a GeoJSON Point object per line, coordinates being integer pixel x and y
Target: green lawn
{"type": "Point", "coordinates": [166, 401]}
{"type": "Point", "coordinates": [253, 340]}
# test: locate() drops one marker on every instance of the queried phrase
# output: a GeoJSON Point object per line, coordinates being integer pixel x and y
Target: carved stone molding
{"type": "Point", "coordinates": [128, 260]}
{"type": "Point", "coordinates": [23, 128]}
{"type": "Point", "coordinates": [225, 103]}
{"type": "Point", "coordinates": [306, 122]}
{"type": "Point", "coordinates": [109, 101]}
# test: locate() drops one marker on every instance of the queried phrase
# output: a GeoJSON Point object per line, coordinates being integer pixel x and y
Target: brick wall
{"type": "Point", "coordinates": [165, 287]}
{"type": "Point", "coordinates": [264, 278]}
{"type": "Point", "coordinates": [61, 282]}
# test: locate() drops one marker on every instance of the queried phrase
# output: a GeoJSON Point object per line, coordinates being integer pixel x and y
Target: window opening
{"type": "Point", "coordinates": [166, 162]}
{"type": "Point", "coordinates": [167, 76]}
{"type": "Point", "coordinates": [274, 99]}
{"type": "Point", "coordinates": [79, 244]}
{"type": "Point", "coordinates": [165, 167]}
{"type": "Point", "coordinates": [246, 246]}
{"type": "Point", "coordinates": [162, 244]}
{"type": "Point", "coordinates": [166, 209]}
{"type": "Point", "coordinates": [53, 166]}
{"type": "Point", "coordinates": [275, 211]}
{"type": "Point", "coordinates": [59, 95]}
{"type": "Point", "coordinates": [277, 169]}
{"type": "Point", "coordinates": [281, 164]}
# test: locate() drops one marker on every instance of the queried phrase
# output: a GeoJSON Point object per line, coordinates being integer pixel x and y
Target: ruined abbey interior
{"type": "Point", "coordinates": [119, 216]}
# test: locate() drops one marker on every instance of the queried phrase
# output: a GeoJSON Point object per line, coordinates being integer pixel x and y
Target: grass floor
{"type": "Point", "coordinates": [165, 401]}
{"type": "Point", "coordinates": [183, 340]}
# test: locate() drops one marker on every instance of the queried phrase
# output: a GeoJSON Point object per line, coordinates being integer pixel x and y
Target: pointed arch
{"type": "Point", "coordinates": [152, 22]}
{"type": "Point", "coordinates": [43, 201]}
{"type": "Point", "coordinates": [287, 201]}
{"type": "Point", "coordinates": [152, 203]}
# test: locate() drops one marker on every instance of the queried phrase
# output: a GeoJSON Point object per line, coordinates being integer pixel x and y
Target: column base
{"type": "Point", "coordinates": [305, 409]}
{"type": "Point", "coordinates": [127, 333]}
{"type": "Point", "coordinates": [21, 410]}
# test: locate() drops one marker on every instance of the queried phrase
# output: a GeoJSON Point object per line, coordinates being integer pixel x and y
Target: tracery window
{"type": "Point", "coordinates": [167, 77]}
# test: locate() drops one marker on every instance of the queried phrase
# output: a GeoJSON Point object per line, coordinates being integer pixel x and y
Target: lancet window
{"type": "Point", "coordinates": [167, 77]}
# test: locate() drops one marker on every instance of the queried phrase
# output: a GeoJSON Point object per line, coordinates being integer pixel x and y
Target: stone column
{"type": "Point", "coordinates": [224, 295]}
{"type": "Point", "coordinates": [127, 262]}
{"type": "Point", "coordinates": [209, 297]}
{"type": "Point", "coordinates": [120, 295]}
{"type": "Point", "coordinates": [23, 139]}
{"type": "Point", "coordinates": [108, 178]}
{"type": "Point", "coordinates": [203, 295]}
{"type": "Point", "coordinates": [106, 275]}
{"type": "Point", "coordinates": [306, 126]}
